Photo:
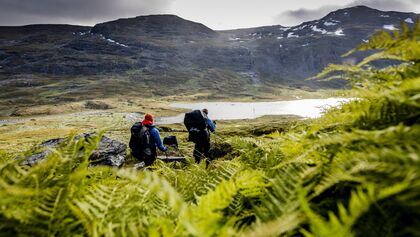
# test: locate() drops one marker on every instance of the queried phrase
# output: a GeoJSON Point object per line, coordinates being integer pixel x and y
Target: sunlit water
{"type": "Point", "coordinates": [307, 108]}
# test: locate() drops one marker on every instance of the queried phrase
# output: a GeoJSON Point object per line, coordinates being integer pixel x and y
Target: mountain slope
{"type": "Point", "coordinates": [166, 54]}
{"type": "Point", "coordinates": [290, 54]}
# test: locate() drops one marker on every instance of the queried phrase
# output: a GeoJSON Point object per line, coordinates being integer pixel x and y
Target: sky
{"type": "Point", "coordinates": [216, 14]}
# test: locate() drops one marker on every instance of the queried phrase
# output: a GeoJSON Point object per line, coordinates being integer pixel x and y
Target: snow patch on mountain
{"type": "Point", "coordinates": [291, 35]}
{"type": "Point", "coordinates": [316, 29]}
{"type": "Point", "coordinates": [300, 28]}
{"type": "Point", "coordinates": [113, 41]}
{"type": "Point", "coordinates": [330, 23]}
{"type": "Point", "coordinates": [339, 32]}
{"type": "Point", "coordinates": [409, 20]}
{"type": "Point", "coordinates": [80, 33]}
{"type": "Point", "coordinates": [390, 27]}
{"type": "Point", "coordinates": [384, 16]}
{"type": "Point", "coordinates": [284, 28]}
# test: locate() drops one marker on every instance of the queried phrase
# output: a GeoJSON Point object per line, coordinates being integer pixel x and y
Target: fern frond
{"type": "Point", "coordinates": [342, 223]}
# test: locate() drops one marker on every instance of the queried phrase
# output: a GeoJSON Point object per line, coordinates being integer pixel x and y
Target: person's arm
{"type": "Point", "coordinates": [156, 137]}
{"type": "Point", "coordinates": [212, 126]}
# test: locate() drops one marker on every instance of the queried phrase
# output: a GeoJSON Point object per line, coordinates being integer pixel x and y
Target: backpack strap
{"type": "Point", "coordinates": [205, 119]}
{"type": "Point", "coordinates": [145, 133]}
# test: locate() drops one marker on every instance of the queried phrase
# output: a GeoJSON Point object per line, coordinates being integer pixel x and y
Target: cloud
{"type": "Point", "coordinates": [294, 17]}
{"type": "Point", "coordinates": [17, 12]}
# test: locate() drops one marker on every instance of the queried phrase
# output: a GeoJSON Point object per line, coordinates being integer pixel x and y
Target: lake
{"type": "Point", "coordinates": [307, 108]}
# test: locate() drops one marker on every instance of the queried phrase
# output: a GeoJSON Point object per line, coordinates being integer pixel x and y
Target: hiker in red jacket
{"type": "Point", "coordinates": [145, 137]}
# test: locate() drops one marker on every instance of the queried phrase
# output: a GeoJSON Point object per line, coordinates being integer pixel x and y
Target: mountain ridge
{"type": "Point", "coordinates": [241, 28]}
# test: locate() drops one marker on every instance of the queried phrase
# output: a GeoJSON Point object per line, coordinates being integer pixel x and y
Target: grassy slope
{"type": "Point", "coordinates": [29, 130]}
{"type": "Point", "coordinates": [33, 124]}
{"type": "Point", "coordinates": [38, 94]}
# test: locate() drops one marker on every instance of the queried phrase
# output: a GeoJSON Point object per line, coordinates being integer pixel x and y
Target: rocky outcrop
{"type": "Point", "coordinates": [44, 149]}
{"type": "Point", "coordinates": [108, 152]}
{"type": "Point", "coordinates": [97, 105]}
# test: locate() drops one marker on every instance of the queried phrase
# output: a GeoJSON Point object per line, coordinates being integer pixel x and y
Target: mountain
{"type": "Point", "coordinates": [165, 54]}
{"type": "Point", "coordinates": [290, 54]}
{"type": "Point", "coordinates": [163, 27]}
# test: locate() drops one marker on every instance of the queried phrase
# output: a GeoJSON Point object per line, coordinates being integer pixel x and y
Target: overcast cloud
{"type": "Point", "coordinates": [217, 14]}
{"type": "Point", "coordinates": [85, 12]}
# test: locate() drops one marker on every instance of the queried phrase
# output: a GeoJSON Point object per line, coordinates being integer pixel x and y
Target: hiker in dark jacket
{"type": "Point", "coordinates": [148, 154]}
{"type": "Point", "coordinates": [202, 145]}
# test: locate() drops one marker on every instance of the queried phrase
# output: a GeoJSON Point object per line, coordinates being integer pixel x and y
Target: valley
{"type": "Point", "coordinates": [165, 57]}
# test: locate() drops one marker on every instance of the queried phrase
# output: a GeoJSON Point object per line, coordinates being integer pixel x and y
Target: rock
{"type": "Point", "coordinates": [139, 166]}
{"type": "Point", "coordinates": [97, 105]}
{"type": "Point", "coordinates": [108, 152]}
{"type": "Point", "coordinates": [133, 117]}
{"type": "Point", "coordinates": [220, 150]}
{"type": "Point", "coordinates": [43, 151]}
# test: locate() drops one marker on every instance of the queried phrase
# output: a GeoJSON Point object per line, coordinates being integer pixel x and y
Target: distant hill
{"type": "Point", "coordinates": [166, 54]}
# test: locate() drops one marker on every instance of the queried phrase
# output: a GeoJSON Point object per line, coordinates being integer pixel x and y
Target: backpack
{"type": "Point", "coordinates": [195, 122]}
{"type": "Point", "coordinates": [140, 139]}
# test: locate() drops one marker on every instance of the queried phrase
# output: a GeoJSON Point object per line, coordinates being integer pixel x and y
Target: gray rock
{"type": "Point", "coordinates": [44, 149]}
{"type": "Point", "coordinates": [108, 152]}
{"type": "Point", "coordinates": [97, 105]}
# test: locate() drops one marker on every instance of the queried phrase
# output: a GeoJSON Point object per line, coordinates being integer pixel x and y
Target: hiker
{"type": "Point", "coordinates": [145, 137]}
{"type": "Point", "coordinates": [199, 126]}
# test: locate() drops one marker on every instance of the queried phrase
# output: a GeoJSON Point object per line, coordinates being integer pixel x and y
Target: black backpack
{"type": "Point", "coordinates": [140, 139]}
{"type": "Point", "coordinates": [195, 122]}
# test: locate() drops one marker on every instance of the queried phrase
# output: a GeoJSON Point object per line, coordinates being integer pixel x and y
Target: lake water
{"type": "Point", "coordinates": [308, 108]}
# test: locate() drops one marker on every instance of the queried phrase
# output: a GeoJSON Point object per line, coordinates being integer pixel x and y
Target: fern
{"type": "Point", "coordinates": [341, 224]}
{"type": "Point", "coordinates": [207, 217]}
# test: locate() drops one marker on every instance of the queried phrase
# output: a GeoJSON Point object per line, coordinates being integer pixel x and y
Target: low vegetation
{"type": "Point", "coordinates": [42, 95]}
{"type": "Point", "coordinates": [353, 172]}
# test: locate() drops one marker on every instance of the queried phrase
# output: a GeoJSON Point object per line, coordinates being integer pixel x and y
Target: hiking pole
{"type": "Point", "coordinates": [215, 138]}
{"type": "Point", "coordinates": [166, 152]}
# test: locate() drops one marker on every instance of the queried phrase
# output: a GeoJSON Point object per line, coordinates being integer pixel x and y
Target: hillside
{"type": "Point", "coordinates": [162, 55]}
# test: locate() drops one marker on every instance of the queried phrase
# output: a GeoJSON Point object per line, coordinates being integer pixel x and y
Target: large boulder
{"type": "Point", "coordinates": [108, 152]}
{"type": "Point", "coordinates": [97, 105]}
{"type": "Point", "coordinates": [42, 151]}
